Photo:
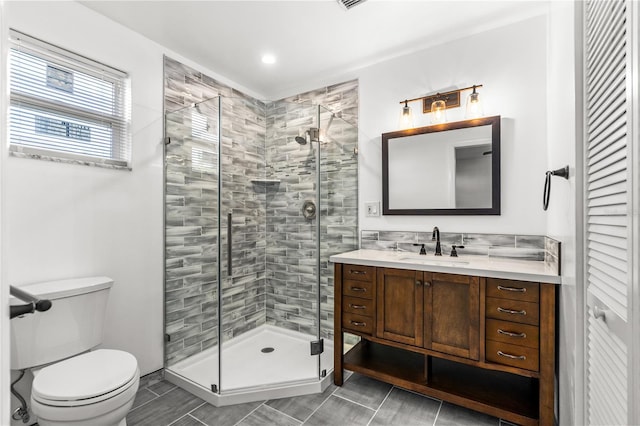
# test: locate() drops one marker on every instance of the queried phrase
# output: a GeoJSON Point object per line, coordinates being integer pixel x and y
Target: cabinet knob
{"type": "Point", "coordinates": [427, 284]}
{"type": "Point", "coordinates": [418, 282]}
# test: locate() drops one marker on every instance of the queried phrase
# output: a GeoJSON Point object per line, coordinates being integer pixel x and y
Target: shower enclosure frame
{"type": "Point", "coordinates": [218, 395]}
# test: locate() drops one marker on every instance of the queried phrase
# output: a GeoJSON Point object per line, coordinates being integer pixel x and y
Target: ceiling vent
{"type": "Point", "coordinates": [348, 4]}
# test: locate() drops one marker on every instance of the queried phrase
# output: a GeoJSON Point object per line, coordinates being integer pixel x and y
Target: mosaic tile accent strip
{"type": "Point", "coordinates": [523, 247]}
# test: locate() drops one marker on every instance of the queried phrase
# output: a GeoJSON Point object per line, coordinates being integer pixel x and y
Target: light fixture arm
{"type": "Point", "coordinates": [474, 87]}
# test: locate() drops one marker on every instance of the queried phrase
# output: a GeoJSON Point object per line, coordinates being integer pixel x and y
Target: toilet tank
{"type": "Point", "coordinates": [71, 326]}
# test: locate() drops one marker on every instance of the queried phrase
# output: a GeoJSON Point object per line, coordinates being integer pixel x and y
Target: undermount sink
{"type": "Point", "coordinates": [431, 261]}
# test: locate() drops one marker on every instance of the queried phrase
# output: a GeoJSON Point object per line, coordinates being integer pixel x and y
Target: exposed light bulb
{"type": "Point", "coordinates": [438, 114]}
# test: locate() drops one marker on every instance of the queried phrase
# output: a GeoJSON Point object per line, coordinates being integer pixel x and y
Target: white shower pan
{"type": "Point", "coordinates": [249, 374]}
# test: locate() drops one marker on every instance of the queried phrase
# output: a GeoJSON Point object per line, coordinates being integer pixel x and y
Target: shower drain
{"type": "Point", "coordinates": [267, 350]}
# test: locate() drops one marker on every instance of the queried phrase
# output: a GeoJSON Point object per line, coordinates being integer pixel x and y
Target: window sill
{"type": "Point", "coordinates": [23, 152]}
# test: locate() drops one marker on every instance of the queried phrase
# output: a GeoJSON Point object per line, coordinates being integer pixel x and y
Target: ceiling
{"type": "Point", "coordinates": [316, 42]}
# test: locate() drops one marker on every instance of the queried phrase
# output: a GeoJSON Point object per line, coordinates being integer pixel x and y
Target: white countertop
{"type": "Point", "coordinates": [491, 267]}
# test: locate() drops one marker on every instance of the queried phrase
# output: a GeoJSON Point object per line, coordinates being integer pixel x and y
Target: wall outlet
{"type": "Point", "coordinates": [372, 208]}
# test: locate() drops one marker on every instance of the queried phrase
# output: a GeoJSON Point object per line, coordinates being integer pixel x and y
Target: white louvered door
{"type": "Point", "coordinates": [609, 201]}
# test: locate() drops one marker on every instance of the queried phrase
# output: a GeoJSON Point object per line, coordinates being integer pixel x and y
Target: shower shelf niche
{"type": "Point", "coordinates": [265, 181]}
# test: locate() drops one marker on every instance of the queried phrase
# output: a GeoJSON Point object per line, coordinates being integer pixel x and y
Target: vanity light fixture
{"type": "Point", "coordinates": [406, 116]}
{"type": "Point", "coordinates": [438, 103]}
{"type": "Point", "coordinates": [474, 105]}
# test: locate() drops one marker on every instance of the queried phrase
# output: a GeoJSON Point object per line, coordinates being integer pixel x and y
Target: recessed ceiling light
{"type": "Point", "coordinates": [268, 59]}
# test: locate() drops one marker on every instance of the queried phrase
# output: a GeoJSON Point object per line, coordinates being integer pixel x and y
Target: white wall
{"type": "Point", "coordinates": [511, 64]}
{"type": "Point", "coordinates": [561, 217]}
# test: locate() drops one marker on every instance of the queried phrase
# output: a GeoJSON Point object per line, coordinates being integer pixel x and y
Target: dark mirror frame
{"type": "Point", "coordinates": [494, 121]}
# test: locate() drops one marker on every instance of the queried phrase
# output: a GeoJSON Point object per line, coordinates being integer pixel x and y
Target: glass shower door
{"type": "Point", "coordinates": [191, 242]}
{"type": "Point", "coordinates": [269, 305]}
{"type": "Point", "coordinates": [338, 185]}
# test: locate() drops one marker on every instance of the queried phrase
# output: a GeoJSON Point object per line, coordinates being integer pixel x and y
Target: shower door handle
{"type": "Point", "coordinates": [229, 245]}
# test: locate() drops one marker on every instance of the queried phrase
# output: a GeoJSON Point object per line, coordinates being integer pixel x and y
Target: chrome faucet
{"type": "Point", "coordinates": [436, 237]}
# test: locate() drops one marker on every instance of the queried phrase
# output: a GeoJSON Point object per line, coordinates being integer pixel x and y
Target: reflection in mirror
{"type": "Point", "coordinates": [452, 168]}
{"type": "Point", "coordinates": [473, 175]}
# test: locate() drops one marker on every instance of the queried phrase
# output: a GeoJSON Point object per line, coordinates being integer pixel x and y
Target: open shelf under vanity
{"type": "Point", "coordinates": [507, 395]}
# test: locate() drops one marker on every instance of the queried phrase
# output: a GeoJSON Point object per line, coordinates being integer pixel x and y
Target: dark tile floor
{"type": "Point", "coordinates": [360, 401]}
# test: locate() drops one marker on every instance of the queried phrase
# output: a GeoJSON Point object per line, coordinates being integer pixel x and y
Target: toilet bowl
{"type": "Point", "coordinates": [92, 389]}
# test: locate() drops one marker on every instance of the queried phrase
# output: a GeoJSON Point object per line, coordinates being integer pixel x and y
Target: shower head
{"type": "Point", "coordinates": [301, 140]}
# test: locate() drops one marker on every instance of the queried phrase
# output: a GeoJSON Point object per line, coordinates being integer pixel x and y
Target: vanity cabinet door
{"type": "Point", "coordinates": [399, 312]}
{"type": "Point", "coordinates": [452, 314]}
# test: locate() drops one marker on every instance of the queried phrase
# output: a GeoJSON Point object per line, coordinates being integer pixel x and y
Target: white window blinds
{"type": "Point", "coordinates": [66, 106]}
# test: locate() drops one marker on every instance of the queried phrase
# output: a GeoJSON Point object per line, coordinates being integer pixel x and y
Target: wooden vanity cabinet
{"type": "Point", "coordinates": [400, 306]}
{"type": "Point", "coordinates": [483, 343]}
{"type": "Point", "coordinates": [430, 310]}
{"type": "Point", "coordinates": [452, 314]}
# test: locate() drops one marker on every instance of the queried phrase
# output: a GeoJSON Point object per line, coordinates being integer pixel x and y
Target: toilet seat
{"type": "Point", "coordinates": [86, 379]}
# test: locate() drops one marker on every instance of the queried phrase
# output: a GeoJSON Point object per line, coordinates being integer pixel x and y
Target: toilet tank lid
{"type": "Point", "coordinates": [64, 288]}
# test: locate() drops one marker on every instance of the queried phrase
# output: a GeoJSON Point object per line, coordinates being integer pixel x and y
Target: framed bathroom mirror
{"type": "Point", "coordinates": [445, 169]}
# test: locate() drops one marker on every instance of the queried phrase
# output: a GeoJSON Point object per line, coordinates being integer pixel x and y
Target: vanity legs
{"type": "Point", "coordinates": [547, 353]}
{"type": "Point", "coordinates": [338, 351]}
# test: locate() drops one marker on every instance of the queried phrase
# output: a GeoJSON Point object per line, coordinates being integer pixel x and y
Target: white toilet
{"type": "Point", "coordinates": [72, 386]}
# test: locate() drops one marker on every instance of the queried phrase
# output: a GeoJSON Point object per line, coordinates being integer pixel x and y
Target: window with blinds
{"type": "Point", "coordinates": [65, 106]}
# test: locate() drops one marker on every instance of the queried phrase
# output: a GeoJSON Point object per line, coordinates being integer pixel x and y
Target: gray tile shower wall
{"type": "Point", "coordinates": [524, 247]}
{"type": "Point", "coordinates": [291, 239]}
{"type": "Point", "coordinates": [191, 211]}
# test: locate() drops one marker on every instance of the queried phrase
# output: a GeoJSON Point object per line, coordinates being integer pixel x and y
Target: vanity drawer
{"type": "Point", "coordinates": [513, 355]}
{"type": "Point", "coordinates": [362, 289]}
{"type": "Point", "coordinates": [513, 290]}
{"type": "Point", "coordinates": [513, 333]}
{"type": "Point", "coordinates": [513, 310]}
{"type": "Point", "coordinates": [358, 272]}
{"type": "Point", "coordinates": [356, 322]}
{"type": "Point", "coordinates": [358, 306]}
